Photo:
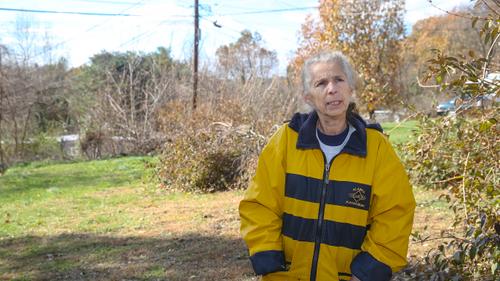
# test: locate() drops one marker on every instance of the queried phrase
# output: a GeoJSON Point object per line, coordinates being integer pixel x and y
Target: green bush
{"type": "Point", "coordinates": [206, 161]}
{"type": "Point", "coordinates": [204, 155]}
{"type": "Point", "coordinates": [42, 147]}
{"type": "Point", "coordinates": [461, 154]}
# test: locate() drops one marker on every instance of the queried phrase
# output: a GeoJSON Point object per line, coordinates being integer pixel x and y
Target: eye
{"type": "Point", "coordinates": [320, 83]}
{"type": "Point", "coordinates": [339, 79]}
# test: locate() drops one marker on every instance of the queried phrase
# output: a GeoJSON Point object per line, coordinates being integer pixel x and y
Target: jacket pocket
{"type": "Point", "coordinates": [298, 256]}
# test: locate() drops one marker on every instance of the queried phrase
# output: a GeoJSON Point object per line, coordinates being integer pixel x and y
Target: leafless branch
{"type": "Point", "coordinates": [426, 86]}
{"type": "Point", "coordinates": [488, 56]}
{"type": "Point", "coordinates": [489, 7]}
{"type": "Point", "coordinates": [471, 17]}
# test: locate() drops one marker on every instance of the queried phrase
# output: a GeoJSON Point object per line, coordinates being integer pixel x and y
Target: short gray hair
{"type": "Point", "coordinates": [329, 56]}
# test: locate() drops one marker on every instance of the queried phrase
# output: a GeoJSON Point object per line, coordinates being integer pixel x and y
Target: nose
{"type": "Point", "coordinates": [330, 88]}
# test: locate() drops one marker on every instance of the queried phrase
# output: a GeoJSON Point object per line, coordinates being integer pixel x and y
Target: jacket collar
{"type": "Point", "coordinates": [305, 125]}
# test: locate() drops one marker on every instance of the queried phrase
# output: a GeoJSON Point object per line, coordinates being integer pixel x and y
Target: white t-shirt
{"type": "Point", "coordinates": [331, 151]}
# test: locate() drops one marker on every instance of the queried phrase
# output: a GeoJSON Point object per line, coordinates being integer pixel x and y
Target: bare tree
{"type": "Point", "coordinates": [129, 88]}
{"type": "Point", "coordinates": [3, 52]}
{"type": "Point", "coordinates": [28, 88]}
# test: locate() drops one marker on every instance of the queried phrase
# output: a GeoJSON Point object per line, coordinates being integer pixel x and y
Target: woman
{"type": "Point", "coordinates": [330, 199]}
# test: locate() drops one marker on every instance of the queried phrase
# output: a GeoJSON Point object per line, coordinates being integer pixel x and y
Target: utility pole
{"type": "Point", "coordinates": [195, 59]}
{"type": "Point", "coordinates": [1, 115]}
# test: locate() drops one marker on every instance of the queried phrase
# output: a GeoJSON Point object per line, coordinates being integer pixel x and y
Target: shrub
{"type": "Point", "coordinates": [41, 147]}
{"type": "Point", "coordinates": [204, 155]}
{"type": "Point", "coordinates": [208, 160]}
{"type": "Point", "coordinates": [461, 154]}
{"type": "Point", "coordinates": [92, 143]}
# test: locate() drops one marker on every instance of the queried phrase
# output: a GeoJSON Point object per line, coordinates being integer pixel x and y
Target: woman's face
{"type": "Point", "coordinates": [329, 92]}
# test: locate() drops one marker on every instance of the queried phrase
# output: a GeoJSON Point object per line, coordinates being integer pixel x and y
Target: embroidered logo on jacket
{"type": "Point", "coordinates": [358, 197]}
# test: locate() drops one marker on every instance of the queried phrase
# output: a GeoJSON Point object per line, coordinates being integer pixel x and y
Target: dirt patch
{"type": "Point", "coordinates": [429, 226]}
{"type": "Point", "coordinates": [432, 216]}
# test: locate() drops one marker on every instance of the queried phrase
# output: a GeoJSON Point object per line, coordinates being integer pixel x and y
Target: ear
{"type": "Point", "coordinates": [307, 99]}
{"type": "Point", "coordinates": [353, 96]}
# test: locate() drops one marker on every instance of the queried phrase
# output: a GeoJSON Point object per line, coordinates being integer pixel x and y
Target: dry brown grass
{"type": "Point", "coordinates": [432, 218]}
{"type": "Point", "coordinates": [429, 224]}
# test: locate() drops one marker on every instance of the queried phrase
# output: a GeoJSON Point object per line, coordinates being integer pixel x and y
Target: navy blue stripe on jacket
{"type": "Point", "coordinates": [268, 261]}
{"type": "Point", "coordinates": [366, 268]}
{"type": "Point", "coordinates": [335, 233]}
{"type": "Point", "coordinates": [341, 193]}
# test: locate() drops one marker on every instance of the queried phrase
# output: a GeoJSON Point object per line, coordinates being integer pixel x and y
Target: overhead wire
{"type": "Point", "coordinates": [46, 50]}
{"type": "Point", "coordinates": [106, 2]}
{"type": "Point", "coordinates": [286, 3]}
{"type": "Point", "coordinates": [65, 12]}
{"type": "Point", "coordinates": [270, 11]}
{"type": "Point", "coordinates": [141, 2]}
{"type": "Point", "coordinates": [261, 24]}
{"type": "Point", "coordinates": [149, 32]}
{"type": "Point", "coordinates": [221, 31]}
{"type": "Point", "coordinates": [152, 30]}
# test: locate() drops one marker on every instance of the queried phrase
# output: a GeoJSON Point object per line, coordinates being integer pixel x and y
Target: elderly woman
{"type": "Point", "coordinates": [330, 199]}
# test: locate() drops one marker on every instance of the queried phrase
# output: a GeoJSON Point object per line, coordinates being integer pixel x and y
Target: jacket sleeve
{"type": "Point", "coordinates": [261, 208]}
{"type": "Point", "coordinates": [385, 246]}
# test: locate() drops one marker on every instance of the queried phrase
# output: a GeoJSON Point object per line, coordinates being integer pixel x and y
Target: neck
{"type": "Point", "coordinates": [332, 127]}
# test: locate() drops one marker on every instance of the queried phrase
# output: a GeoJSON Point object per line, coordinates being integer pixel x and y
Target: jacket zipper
{"type": "Point", "coordinates": [321, 215]}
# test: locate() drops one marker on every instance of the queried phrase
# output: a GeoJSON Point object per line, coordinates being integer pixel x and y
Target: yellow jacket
{"type": "Point", "coordinates": [303, 219]}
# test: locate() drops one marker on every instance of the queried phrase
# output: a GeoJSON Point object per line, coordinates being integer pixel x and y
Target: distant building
{"type": "Point", "coordinates": [70, 145]}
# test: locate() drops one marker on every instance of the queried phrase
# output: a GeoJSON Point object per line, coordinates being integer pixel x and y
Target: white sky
{"type": "Point", "coordinates": [169, 23]}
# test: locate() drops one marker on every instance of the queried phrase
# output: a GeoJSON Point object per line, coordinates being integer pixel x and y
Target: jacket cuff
{"type": "Point", "coordinates": [366, 268]}
{"type": "Point", "coordinates": [268, 262]}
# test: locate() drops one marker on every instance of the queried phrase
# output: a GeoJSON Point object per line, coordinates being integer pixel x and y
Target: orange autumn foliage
{"type": "Point", "coordinates": [370, 33]}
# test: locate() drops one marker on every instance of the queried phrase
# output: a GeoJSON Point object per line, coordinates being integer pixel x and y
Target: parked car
{"type": "Point", "coordinates": [463, 105]}
{"type": "Point", "coordinates": [446, 107]}
{"type": "Point", "coordinates": [464, 101]}
{"type": "Point", "coordinates": [487, 101]}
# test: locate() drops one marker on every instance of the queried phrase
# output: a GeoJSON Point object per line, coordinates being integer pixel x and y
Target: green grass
{"type": "Point", "coordinates": [45, 181]}
{"type": "Point", "coordinates": [400, 133]}
{"type": "Point", "coordinates": [47, 196]}
{"type": "Point", "coordinates": [99, 220]}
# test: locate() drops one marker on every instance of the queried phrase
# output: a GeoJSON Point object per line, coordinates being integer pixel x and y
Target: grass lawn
{"type": "Point", "coordinates": [98, 220]}
{"type": "Point", "coordinates": [400, 132]}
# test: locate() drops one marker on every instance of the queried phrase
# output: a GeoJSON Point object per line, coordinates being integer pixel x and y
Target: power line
{"type": "Point", "coordinates": [134, 15]}
{"type": "Point", "coordinates": [293, 8]}
{"type": "Point", "coordinates": [149, 32]}
{"type": "Point", "coordinates": [225, 27]}
{"type": "Point", "coordinates": [61, 12]}
{"type": "Point", "coordinates": [271, 11]}
{"type": "Point", "coordinates": [106, 2]}
{"type": "Point", "coordinates": [44, 51]}
{"type": "Point", "coordinates": [287, 4]}
{"type": "Point", "coordinates": [139, 3]}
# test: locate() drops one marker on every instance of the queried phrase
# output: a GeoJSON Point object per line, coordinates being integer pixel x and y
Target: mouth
{"type": "Point", "coordinates": [334, 102]}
